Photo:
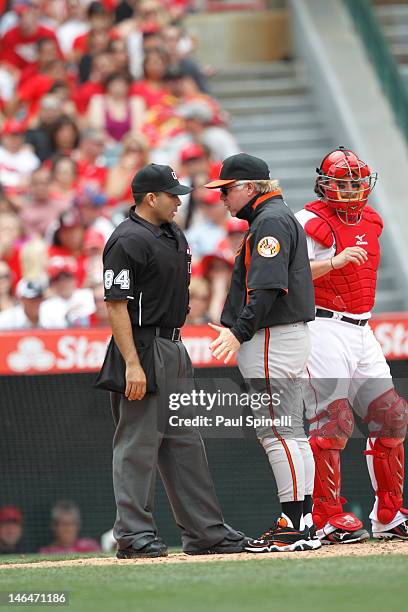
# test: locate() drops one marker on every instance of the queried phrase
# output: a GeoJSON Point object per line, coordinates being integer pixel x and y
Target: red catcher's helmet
{"type": "Point", "coordinates": [344, 181]}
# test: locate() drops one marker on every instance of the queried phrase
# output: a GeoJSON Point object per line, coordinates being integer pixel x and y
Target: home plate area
{"type": "Point", "coordinates": [365, 549]}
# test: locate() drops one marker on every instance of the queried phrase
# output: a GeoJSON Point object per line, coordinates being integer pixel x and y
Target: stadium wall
{"type": "Point", "coordinates": [56, 444]}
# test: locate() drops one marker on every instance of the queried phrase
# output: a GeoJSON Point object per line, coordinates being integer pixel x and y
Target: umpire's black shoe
{"type": "Point", "coordinates": [233, 543]}
{"type": "Point", "coordinates": [155, 548]}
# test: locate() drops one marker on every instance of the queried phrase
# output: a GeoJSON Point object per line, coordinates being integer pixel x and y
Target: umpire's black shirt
{"type": "Point", "coordinates": [148, 265]}
{"type": "Point", "coordinates": [271, 282]}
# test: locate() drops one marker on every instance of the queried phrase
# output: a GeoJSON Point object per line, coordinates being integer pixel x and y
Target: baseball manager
{"type": "Point", "coordinates": [265, 319]}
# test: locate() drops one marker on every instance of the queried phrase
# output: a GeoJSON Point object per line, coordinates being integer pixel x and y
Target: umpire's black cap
{"type": "Point", "coordinates": [158, 178]}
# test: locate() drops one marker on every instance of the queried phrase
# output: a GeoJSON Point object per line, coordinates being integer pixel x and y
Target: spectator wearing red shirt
{"type": "Point", "coordinates": [195, 169]}
{"type": "Point", "coordinates": [94, 243]}
{"type": "Point", "coordinates": [39, 209]}
{"type": "Point", "coordinates": [100, 24]}
{"type": "Point", "coordinates": [30, 92]}
{"type": "Point", "coordinates": [92, 171]}
{"type": "Point", "coordinates": [11, 530]}
{"type": "Point", "coordinates": [64, 177]}
{"type": "Point", "coordinates": [67, 302]}
{"type": "Point", "coordinates": [47, 53]}
{"type": "Point", "coordinates": [10, 243]}
{"type": "Point", "coordinates": [19, 45]}
{"type": "Point", "coordinates": [197, 165]}
{"type": "Point", "coordinates": [66, 526]}
{"type": "Point", "coordinates": [204, 236]}
{"type": "Point", "coordinates": [90, 205]}
{"type": "Point", "coordinates": [100, 317]}
{"type": "Point", "coordinates": [152, 88]}
{"type": "Point", "coordinates": [102, 67]}
{"type": "Point", "coordinates": [98, 43]}
{"type": "Point", "coordinates": [134, 156]}
{"type": "Point", "coordinates": [67, 245]}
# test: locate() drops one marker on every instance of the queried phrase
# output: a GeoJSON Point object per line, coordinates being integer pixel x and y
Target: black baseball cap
{"type": "Point", "coordinates": [241, 167]}
{"type": "Point", "coordinates": [158, 178]}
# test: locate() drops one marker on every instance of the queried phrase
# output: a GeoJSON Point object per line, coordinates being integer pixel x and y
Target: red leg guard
{"type": "Point", "coordinates": [326, 443]}
{"type": "Point", "coordinates": [390, 411]}
{"type": "Point", "coordinates": [326, 495]}
{"type": "Point", "coordinates": [388, 463]}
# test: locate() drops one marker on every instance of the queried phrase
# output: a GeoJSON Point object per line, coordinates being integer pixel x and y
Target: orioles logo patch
{"type": "Point", "coordinates": [268, 246]}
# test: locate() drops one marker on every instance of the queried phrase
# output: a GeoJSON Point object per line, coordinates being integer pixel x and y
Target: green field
{"type": "Point", "coordinates": [348, 583]}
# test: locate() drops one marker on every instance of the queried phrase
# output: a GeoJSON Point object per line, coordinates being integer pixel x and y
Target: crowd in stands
{"type": "Point", "coordinates": [89, 93]}
{"type": "Point", "coordinates": [64, 527]}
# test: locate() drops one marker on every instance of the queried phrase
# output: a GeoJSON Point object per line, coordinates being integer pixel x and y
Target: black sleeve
{"type": "Point", "coordinates": [118, 273]}
{"type": "Point", "coordinates": [270, 252]}
{"type": "Point", "coordinates": [259, 304]}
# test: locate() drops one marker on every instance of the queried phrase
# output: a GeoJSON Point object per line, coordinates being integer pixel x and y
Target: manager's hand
{"type": "Point", "coordinates": [226, 343]}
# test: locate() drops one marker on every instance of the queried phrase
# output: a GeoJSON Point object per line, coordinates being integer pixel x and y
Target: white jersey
{"type": "Point", "coordinates": [317, 252]}
{"type": "Point", "coordinates": [15, 318]}
{"type": "Point", "coordinates": [57, 313]}
{"type": "Point", "coordinates": [16, 167]}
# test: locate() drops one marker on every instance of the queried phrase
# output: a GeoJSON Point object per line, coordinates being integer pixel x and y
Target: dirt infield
{"type": "Point", "coordinates": [350, 550]}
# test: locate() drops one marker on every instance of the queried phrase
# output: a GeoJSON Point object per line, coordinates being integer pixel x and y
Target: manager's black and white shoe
{"type": "Point", "coordinates": [283, 537]}
{"type": "Point", "coordinates": [400, 532]}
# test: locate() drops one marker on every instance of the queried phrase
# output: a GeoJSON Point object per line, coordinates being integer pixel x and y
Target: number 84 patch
{"type": "Point", "coordinates": [122, 279]}
{"type": "Point", "coordinates": [268, 246]}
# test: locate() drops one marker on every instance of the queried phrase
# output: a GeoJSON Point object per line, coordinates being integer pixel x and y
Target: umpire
{"type": "Point", "coordinates": [265, 316]}
{"type": "Point", "coordinates": [146, 277]}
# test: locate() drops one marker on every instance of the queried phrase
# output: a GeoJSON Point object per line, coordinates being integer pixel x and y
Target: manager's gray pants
{"type": "Point", "coordinates": [273, 363]}
{"type": "Point", "coordinates": [143, 442]}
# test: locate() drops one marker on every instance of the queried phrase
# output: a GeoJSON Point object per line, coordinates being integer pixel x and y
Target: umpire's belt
{"type": "Point", "coordinates": [147, 333]}
{"type": "Point", "coordinates": [328, 314]}
{"type": "Point", "coordinates": [170, 333]}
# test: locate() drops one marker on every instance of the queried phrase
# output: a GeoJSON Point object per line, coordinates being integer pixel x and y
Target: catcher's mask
{"type": "Point", "coordinates": [344, 181]}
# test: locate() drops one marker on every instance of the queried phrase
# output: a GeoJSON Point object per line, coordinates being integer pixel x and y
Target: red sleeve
{"type": "Point", "coordinates": [83, 94]}
{"type": "Point", "coordinates": [34, 88]}
{"type": "Point", "coordinates": [14, 262]}
{"type": "Point", "coordinates": [7, 52]}
{"type": "Point", "coordinates": [81, 43]}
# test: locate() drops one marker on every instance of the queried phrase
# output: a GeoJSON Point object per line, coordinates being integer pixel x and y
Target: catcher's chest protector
{"type": "Point", "coordinates": [351, 288]}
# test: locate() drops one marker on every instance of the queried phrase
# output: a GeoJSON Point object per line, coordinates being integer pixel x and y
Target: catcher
{"type": "Point", "coordinates": [346, 366]}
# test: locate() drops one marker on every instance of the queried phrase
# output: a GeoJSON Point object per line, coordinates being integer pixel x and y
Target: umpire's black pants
{"type": "Point", "coordinates": [143, 442]}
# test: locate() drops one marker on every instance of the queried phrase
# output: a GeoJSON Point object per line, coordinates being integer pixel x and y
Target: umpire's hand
{"type": "Point", "coordinates": [226, 343]}
{"type": "Point", "coordinates": [135, 382]}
